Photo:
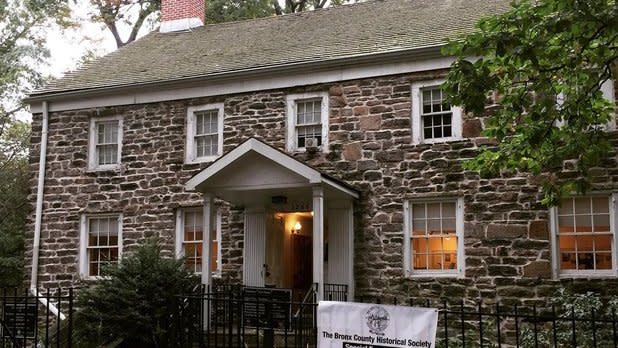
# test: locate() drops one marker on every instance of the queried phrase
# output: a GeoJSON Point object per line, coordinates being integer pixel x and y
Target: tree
{"type": "Point", "coordinates": [22, 51]}
{"type": "Point", "coordinates": [136, 13]}
{"type": "Point", "coordinates": [13, 201]}
{"type": "Point", "coordinates": [547, 61]}
{"type": "Point", "coordinates": [22, 48]}
{"type": "Point", "coordinates": [133, 300]}
{"type": "Point", "coordinates": [133, 13]}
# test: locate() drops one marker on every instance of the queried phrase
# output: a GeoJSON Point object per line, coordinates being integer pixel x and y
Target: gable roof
{"type": "Point", "coordinates": [290, 172]}
{"type": "Point", "coordinates": [332, 34]}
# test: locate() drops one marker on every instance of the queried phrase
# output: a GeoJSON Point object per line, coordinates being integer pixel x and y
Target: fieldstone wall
{"type": "Point", "coordinates": [507, 248]}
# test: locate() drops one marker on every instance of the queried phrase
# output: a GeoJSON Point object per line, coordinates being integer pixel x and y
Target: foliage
{"type": "Point", "coordinates": [547, 61]}
{"type": "Point", "coordinates": [22, 48]}
{"type": "Point", "coordinates": [133, 300]}
{"type": "Point", "coordinates": [22, 52]}
{"type": "Point", "coordinates": [582, 306]}
{"type": "Point", "coordinates": [13, 201]}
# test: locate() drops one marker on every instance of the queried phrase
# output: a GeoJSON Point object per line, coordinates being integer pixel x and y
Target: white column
{"type": "Point", "coordinates": [207, 236]}
{"type": "Point", "coordinates": [318, 240]}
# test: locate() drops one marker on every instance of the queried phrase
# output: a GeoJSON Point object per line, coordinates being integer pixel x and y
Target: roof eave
{"type": "Point", "coordinates": [415, 53]}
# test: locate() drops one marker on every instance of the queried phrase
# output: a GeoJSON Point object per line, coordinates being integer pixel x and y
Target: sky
{"type": "Point", "coordinates": [68, 46]}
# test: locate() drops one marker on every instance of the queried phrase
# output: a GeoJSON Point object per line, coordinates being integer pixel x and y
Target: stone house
{"type": "Point", "coordinates": [316, 147]}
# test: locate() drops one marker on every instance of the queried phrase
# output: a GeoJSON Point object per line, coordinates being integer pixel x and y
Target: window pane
{"type": "Point", "coordinates": [585, 243]}
{"type": "Point", "coordinates": [604, 261]}
{"type": "Point", "coordinates": [585, 260]}
{"type": "Point", "coordinates": [601, 223]}
{"type": "Point", "coordinates": [600, 205]}
{"type": "Point", "coordinates": [567, 261]}
{"type": "Point", "coordinates": [567, 243]}
{"type": "Point", "coordinates": [603, 243]}
{"type": "Point", "coordinates": [583, 223]}
{"type": "Point", "coordinates": [418, 227]}
{"type": "Point", "coordinates": [565, 224]}
{"type": "Point", "coordinates": [566, 206]}
{"type": "Point", "coordinates": [582, 205]}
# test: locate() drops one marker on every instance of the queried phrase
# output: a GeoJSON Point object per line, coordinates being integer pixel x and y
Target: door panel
{"type": "Point", "coordinates": [254, 249]}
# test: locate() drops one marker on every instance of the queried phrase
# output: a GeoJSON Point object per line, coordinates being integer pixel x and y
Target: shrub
{"type": "Point", "coordinates": [133, 301]}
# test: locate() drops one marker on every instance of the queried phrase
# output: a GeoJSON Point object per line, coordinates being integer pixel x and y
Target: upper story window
{"type": "Point", "coordinates": [100, 243]}
{"type": "Point", "coordinates": [105, 143]}
{"type": "Point", "coordinates": [433, 119]}
{"type": "Point", "coordinates": [434, 238]}
{"type": "Point", "coordinates": [204, 133]}
{"type": "Point", "coordinates": [189, 240]}
{"type": "Point", "coordinates": [307, 121]}
{"type": "Point", "coordinates": [584, 236]}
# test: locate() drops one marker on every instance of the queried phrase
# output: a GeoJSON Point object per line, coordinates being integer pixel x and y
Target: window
{"type": "Point", "coordinates": [100, 243]}
{"type": "Point", "coordinates": [434, 237]}
{"type": "Point", "coordinates": [584, 236]}
{"type": "Point", "coordinates": [189, 237]}
{"type": "Point", "coordinates": [105, 143]}
{"type": "Point", "coordinates": [204, 133]}
{"type": "Point", "coordinates": [307, 120]}
{"type": "Point", "coordinates": [433, 119]}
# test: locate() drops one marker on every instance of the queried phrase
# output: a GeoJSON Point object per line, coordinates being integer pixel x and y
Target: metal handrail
{"type": "Point", "coordinates": [311, 292]}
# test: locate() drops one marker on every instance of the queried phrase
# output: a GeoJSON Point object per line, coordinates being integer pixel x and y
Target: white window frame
{"type": "Point", "coordinates": [84, 264]}
{"type": "Point", "coordinates": [93, 161]}
{"type": "Point", "coordinates": [607, 88]}
{"type": "Point", "coordinates": [407, 248]}
{"type": "Point", "coordinates": [417, 107]}
{"type": "Point", "coordinates": [191, 150]}
{"type": "Point", "coordinates": [291, 100]}
{"type": "Point", "coordinates": [555, 252]}
{"type": "Point", "coordinates": [180, 225]}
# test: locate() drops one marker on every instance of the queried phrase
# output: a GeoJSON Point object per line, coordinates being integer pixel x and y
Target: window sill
{"type": "Point", "coordinates": [439, 141]}
{"type": "Point", "coordinates": [426, 275]}
{"type": "Point", "coordinates": [588, 275]}
{"type": "Point", "coordinates": [200, 160]}
{"type": "Point", "coordinates": [106, 168]}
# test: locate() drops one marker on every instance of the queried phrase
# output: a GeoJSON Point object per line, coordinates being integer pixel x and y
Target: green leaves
{"type": "Point", "coordinates": [546, 62]}
{"type": "Point", "coordinates": [134, 300]}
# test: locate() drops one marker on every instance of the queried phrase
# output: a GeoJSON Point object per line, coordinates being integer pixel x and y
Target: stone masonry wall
{"type": "Point", "coordinates": [506, 233]}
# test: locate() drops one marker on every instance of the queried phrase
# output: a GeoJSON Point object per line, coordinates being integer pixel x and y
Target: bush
{"type": "Point", "coordinates": [133, 301]}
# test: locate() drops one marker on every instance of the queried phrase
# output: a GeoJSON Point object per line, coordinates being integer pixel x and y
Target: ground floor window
{"type": "Point", "coordinates": [189, 238]}
{"type": "Point", "coordinates": [101, 243]}
{"type": "Point", "coordinates": [584, 236]}
{"type": "Point", "coordinates": [434, 237]}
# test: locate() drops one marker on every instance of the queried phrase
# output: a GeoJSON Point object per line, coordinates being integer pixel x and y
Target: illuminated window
{"type": "Point", "coordinates": [434, 234]}
{"type": "Point", "coordinates": [101, 243]}
{"type": "Point", "coordinates": [433, 119]}
{"type": "Point", "coordinates": [584, 236]}
{"type": "Point", "coordinates": [189, 240]}
{"type": "Point", "coordinates": [307, 120]}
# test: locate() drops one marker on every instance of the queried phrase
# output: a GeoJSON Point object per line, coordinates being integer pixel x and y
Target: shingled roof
{"type": "Point", "coordinates": [369, 28]}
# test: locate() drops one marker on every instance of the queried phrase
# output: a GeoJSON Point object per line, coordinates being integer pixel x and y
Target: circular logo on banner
{"type": "Point", "coordinates": [377, 319]}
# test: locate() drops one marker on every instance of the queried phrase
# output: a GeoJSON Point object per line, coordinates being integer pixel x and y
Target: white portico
{"type": "Point", "coordinates": [294, 215]}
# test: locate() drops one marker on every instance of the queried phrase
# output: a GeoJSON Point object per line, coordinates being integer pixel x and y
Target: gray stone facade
{"type": "Point", "coordinates": [506, 236]}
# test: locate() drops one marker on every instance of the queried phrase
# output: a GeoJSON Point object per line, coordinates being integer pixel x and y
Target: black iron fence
{"type": "Point", "coordinates": [245, 317]}
{"type": "Point", "coordinates": [236, 316]}
{"type": "Point", "coordinates": [36, 320]}
{"type": "Point", "coordinates": [472, 323]}
{"type": "Point", "coordinates": [260, 318]}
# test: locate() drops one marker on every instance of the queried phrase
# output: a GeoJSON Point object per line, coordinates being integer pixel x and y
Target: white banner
{"type": "Point", "coordinates": [362, 325]}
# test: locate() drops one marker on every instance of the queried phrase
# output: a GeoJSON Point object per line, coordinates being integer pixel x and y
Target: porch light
{"type": "Point", "coordinates": [297, 228]}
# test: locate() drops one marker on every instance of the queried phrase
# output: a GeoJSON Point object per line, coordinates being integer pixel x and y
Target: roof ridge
{"type": "Point", "coordinates": [357, 3]}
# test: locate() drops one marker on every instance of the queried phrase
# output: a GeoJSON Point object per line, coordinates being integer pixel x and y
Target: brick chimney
{"type": "Point", "coordinates": [178, 15]}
